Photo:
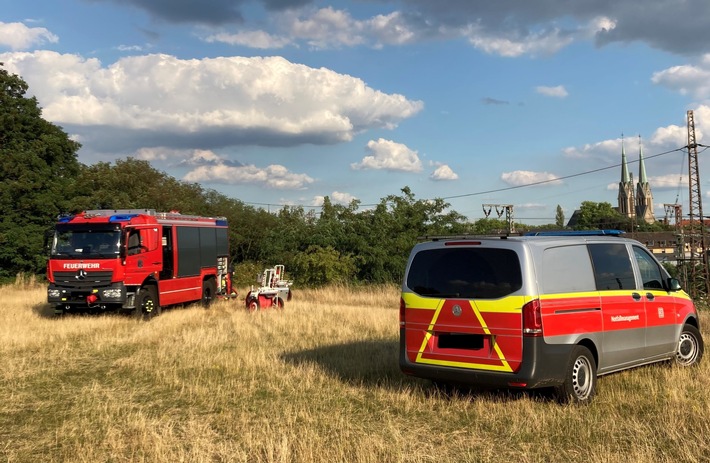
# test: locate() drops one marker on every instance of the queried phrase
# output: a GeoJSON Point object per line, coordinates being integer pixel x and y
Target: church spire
{"type": "Point", "coordinates": [625, 178]}
{"type": "Point", "coordinates": [642, 167]}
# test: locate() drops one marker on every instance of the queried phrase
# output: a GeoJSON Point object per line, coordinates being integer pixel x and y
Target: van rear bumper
{"type": "Point", "coordinates": [543, 365]}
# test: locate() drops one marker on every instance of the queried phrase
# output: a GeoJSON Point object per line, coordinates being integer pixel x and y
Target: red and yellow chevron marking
{"type": "Point", "coordinates": [497, 321]}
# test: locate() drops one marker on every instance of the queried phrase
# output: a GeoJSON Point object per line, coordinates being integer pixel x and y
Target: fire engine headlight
{"type": "Point", "coordinates": [112, 293]}
{"type": "Point", "coordinates": [53, 292]}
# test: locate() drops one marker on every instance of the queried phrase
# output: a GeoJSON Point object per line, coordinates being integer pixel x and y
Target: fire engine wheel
{"type": "Point", "coordinates": [580, 381]}
{"type": "Point", "coordinates": [209, 289]}
{"type": "Point", "coordinates": [278, 303]}
{"type": "Point", "coordinates": [690, 347]}
{"type": "Point", "coordinates": [147, 305]}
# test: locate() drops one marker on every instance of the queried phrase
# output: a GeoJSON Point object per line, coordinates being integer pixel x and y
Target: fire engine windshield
{"type": "Point", "coordinates": [72, 241]}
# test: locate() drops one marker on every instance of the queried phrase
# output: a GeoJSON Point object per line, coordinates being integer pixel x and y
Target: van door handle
{"type": "Point", "coordinates": [636, 296]}
{"type": "Point", "coordinates": [650, 296]}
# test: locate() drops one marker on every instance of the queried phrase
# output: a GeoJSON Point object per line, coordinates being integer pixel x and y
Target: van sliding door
{"type": "Point", "coordinates": [623, 307]}
{"type": "Point", "coordinates": [659, 304]}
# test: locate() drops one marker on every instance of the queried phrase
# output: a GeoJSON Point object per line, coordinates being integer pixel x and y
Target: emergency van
{"type": "Point", "coordinates": [541, 311]}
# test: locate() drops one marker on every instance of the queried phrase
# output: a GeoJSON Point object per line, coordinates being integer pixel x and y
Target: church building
{"type": "Point", "coordinates": [635, 202]}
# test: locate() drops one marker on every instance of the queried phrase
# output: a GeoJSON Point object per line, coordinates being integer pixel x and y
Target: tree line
{"type": "Point", "coordinates": [42, 178]}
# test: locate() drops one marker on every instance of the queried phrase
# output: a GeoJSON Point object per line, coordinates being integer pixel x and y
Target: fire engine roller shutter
{"type": "Point", "coordinates": [208, 247]}
{"type": "Point", "coordinates": [222, 241]}
{"type": "Point", "coordinates": [199, 247]}
{"type": "Point", "coordinates": [188, 246]}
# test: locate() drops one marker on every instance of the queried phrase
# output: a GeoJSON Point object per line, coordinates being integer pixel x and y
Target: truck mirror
{"type": "Point", "coordinates": [48, 240]}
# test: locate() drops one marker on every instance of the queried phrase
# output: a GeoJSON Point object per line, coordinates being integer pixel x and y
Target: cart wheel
{"type": "Point", "coordinates": [252, 304]}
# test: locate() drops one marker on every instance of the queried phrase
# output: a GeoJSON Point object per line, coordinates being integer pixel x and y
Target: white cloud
{"type": "Point", "coordinates": [342, 198]}
{"type": "Point", "coordinates": [129, 48]}
{"type": "Point", "coordinates": [526, 177]}
{"type": "Point", "coordinates": [499, 42]}
{"type": "Point", "coordinates": [274, 176]}
{"type": "Point", "coordinates": [225, 100]}
{"type": "Point", "coordinates": [392, 29]}
{"type": "Point", "coordinates": [687, 79]}
{"type": "Point", "coordinates": [17, 36]}
{"type": "Point", "coordinates": [252, 39]}
{"type": "Point", "coordinates": [444, 172]}
{"type": "Point", "coordinates": [557, 92]}
{"type": "Point", "coordinates": [336, 197]}
{"type": "Point", "coordinates": [668, 181]}
{"type": "Point", "coordinates": [389, 155]}
{"type": "Point", "coordinates": [606, 147]}
{"type": "Point", "coordinates": [158, 154]}
{"type": "Point", "coordinates": [325, 28]}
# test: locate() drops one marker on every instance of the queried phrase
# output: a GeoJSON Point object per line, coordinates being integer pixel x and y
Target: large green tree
{"type": "Point", "coordinates": [38, 165]}
{"type": "Point", "coordinates": [600, 216]}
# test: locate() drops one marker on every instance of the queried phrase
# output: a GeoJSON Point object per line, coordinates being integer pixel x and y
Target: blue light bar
{"type": "Point", "coordinates": [577, 233]}
{"type": "Point", "coordinates": [122, 217]}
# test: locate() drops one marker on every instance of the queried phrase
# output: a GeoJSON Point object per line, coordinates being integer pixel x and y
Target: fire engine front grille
{"type": "Point", "coordinates": [86, 280]}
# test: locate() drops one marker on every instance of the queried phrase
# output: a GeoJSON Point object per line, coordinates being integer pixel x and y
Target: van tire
{"type": "Point", "coordinates": [580, 381]}
{"type": "Point", "coordinates": [690, 347]}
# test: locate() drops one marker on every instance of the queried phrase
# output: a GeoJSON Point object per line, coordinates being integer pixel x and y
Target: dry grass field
{"type": "Point", "coordinates": [317, 382]}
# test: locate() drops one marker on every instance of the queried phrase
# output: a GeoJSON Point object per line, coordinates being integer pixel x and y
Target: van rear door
{"type": "Point", "coordinates": [460, 307]}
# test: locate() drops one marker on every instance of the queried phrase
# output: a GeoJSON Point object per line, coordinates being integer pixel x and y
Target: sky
{"type": "Point", "coordinates": [283, 102]}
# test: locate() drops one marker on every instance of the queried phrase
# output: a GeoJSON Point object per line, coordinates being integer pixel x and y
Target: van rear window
{"type": "Point", "coordinates": [470, 273]}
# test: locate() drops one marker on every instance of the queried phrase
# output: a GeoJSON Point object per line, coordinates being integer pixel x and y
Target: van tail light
{"type": "Point", "coordinates": [532, 319]}
{"type": "Point", "coordinates": [401, 311]}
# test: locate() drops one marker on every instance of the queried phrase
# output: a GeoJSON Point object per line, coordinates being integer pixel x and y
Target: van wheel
{"type": "Point", "coordinates": [580, 381]}
{"type": "Point", "coordinates": [147, 305]}
{"type": "Point", "coordinates": [690, 346]}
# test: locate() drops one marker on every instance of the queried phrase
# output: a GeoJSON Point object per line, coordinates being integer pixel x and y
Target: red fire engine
{"type": "Point", "coordinates": [137, 260]}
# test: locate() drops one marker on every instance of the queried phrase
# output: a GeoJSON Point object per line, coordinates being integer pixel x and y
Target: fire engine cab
{"type": "Point", "coordinates": [137, 260]}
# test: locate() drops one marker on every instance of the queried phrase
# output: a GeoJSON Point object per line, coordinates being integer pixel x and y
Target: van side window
{"type": "Point", "coordinates": [650, 271]}
{"type": "Point", "coordinates": [465, 272]}
{"type": "Point", "coordinates": [612, 266]}
{"type": "Point", "coordinates": [567, 269]}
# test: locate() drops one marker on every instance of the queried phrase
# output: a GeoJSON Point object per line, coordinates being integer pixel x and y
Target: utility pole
{"type": "Point", "coordinates": [698, 281]}
{"type": "Point", "coordinates": [500, 209]}
{"type": "Point", "coordinates": [677, 211]}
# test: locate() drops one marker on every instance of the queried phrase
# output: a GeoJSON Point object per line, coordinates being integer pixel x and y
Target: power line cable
{"type": "Point", "coordinates": [498, 190]}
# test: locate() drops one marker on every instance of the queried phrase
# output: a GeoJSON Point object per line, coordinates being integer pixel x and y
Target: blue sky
{"type": "Point", "coordinates": [277, 102]}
